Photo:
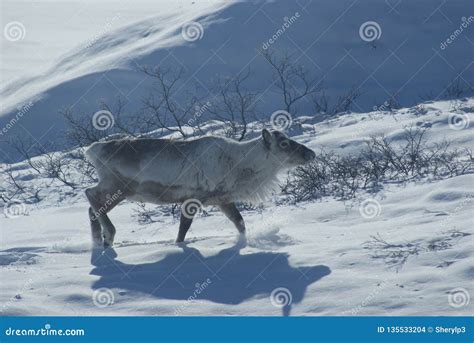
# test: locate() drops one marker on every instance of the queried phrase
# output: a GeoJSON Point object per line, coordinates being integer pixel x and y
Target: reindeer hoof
{"type": "Point", "coordinates": [108, 242]}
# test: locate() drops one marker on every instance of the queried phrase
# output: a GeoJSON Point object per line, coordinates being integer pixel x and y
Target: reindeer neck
{"type": "Point", "coordinates": [259, 158]}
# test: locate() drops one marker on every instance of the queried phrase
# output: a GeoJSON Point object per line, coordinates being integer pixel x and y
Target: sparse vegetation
{"type": "Point", "coordinates": [395, 255]}
{"type": "Point", "coordinates": [234, 105]}
{"type": "Point", "coordinates": [293, 81]}
{"type": "Point", "coordinates": [381, 160]}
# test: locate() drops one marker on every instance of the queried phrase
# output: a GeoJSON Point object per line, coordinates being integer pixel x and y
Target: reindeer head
{"type": "Point", "coordinates": [289, 152]}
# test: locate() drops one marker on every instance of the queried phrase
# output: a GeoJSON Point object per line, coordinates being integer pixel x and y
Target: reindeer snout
{"type": "Point", "coordinates": [309, 155]}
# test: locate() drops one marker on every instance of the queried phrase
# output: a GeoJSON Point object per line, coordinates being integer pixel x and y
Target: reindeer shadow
{"type": "Point", "coordinates": [226, 278]}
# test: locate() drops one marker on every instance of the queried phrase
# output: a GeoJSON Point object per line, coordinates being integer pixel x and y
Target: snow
{"type": "Point", "coordinates": [76, 36]}
{"type": "Point", "coordinates": [323, 252]}
{"type": "Point", "coordinates": [82, 52]}
{"type": "Point", "coordinates": [86, 46]}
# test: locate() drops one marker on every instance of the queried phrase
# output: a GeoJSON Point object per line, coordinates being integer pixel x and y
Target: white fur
{"type": "Point", "coordinates": [211, 169]}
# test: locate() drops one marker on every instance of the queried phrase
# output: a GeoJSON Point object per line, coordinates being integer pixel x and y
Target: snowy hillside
{"type": "Point", "coordinates": [83, 52]}
{"type": "Point", "coordinates": [404, 250]}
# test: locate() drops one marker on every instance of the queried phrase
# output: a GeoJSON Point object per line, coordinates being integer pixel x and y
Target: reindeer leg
{"type": "Point", "coordinates": [103, 201]}
{"type": "Point", "coordinates": [231, 212]}
{"type": "Point", "coordinates": [97, 239]}
{"type": "Point", "coordinates": [184, 225]}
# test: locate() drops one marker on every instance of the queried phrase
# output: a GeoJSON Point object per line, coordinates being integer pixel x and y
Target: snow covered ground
{"type": "Point", "coordinates": [320, 258]}
{"type": "Point", "coordinates": [77, 53]}
{"type": "Point", "coordinates": [59, 46]}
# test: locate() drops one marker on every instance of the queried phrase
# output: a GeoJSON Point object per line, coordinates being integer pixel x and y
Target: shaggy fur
{"type": "Point", "coordinates": [213, 170]}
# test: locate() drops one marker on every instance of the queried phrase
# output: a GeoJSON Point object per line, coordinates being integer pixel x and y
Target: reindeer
{"type": "Point", "coordinates": [204, 171]}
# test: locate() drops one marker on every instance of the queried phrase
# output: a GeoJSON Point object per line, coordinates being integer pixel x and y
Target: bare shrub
{"type": "Point", "coordinates": [162, 108]}
{"type": "Point", "coordinates": [344, 103]}
{"type": "Point", "coordinates": [86, 170]}
{"type": "Point", "coordinates": [56, 165]}
{"type": "Point", "coordinates": [382, 160]}
{"type": "Point", "coordinates": [457, 88]}
{"type": "Point", "coordinates": [396, 255]}
{"type": "Point", "coordinates": [321, 103]}
{"type": "Point", "coordinates": [15, 187]}
{"type": "Point", "coordinates": [148, 215]}
{"type": "Point", "coordinates": [144, 215]}
{"type": "Point", "coordinates": [294, 82]}
{"type": "Point", "coordinates": [53, 165]}
{"type": "Point", "coordinates": [233, 105]}
{"type": "Point", "coordinates": [81, 131]}
{"type": "Point", "coordinates": [414, 158]}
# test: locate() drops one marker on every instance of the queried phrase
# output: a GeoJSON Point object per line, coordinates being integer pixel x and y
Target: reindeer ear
{"type": "Point", "coordinates": [267, 137]}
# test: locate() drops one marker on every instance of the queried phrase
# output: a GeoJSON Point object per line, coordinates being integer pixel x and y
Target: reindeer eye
{"type": "Point", "coordinates": [284, 144]}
